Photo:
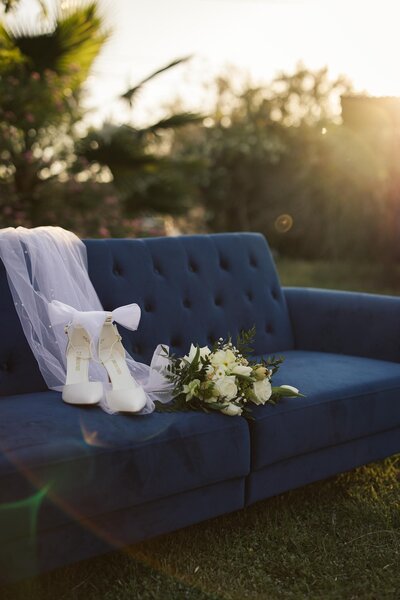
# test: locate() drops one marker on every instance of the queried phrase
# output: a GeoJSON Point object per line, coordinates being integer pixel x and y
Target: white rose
{"type": "Point", "coordinates": [232, 410]}
{"type": "Point", "coordinates": [290, 388]}
{"type": "Point", "coordinates": [223, 358]}
{"type": "Point", "coordinates": [262, 390]}
{"type": "Point", "coordinates": [226, 387]}
{"type": "Point", "coordinates": [241, 370]}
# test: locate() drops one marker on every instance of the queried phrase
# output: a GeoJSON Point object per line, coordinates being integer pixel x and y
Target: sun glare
{"type": "Point", "coordinates": [357, 38]}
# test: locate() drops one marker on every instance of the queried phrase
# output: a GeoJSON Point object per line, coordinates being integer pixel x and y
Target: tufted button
{"type": "Point", "coordinates": [148, 307]}
{"type": "Point", "coordinates": [5, 366]}
{"type": "Point", "coordinates": [187, 303]}
{"type": "Point", "coordinates": [249, 296]}
{"type": "Point", "coordinates": [269, 328]}
{"type": "Point", "coordinates": [211, 338]}
{"type": "Point", "coordinates": [223, 263]}
{"type": "Point", "coordinates": [274, 294]}
{"type": "Point", "coordinates": [218, 301]}
{"type": "Point", "coordinates": [157, 270]}
{"type": "Point", "coordinates": [253, 261]}
{"type": "Point", "coordinates": [176, 341]}
{"type": "Point", "coordinates": [137, 349]}
{"type": "Point", "coordinates": [193, 267]}
{"type": "Point", "coordinates": [117, 270]}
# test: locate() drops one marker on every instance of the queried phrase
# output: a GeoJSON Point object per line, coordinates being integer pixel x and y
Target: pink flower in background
{"type": "Point", "coordinates": [35, 76]}
{"type": "Point", "coordinates": [7, 210]}
{"type": "Point", "coordinates": [155, 231]}
{"type": "Point", "coordinates": [30, 117]}
{"type": "Point", "coordinates": [28, 156]}
{"type": "Point", "coordinates": [111, 200]}
{"type": "Point", "coordinates": [104, 232]}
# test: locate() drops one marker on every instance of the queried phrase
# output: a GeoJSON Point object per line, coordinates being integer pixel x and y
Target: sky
{"type": "Point", "coordinates": [259, 37]}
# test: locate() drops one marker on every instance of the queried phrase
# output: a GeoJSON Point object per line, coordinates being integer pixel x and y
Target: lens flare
{"type": "Point", "coordinates": [19, 526]}
{"type": "Point", "coordinates": [91, 438]}
{"type": "Point", "coordinates": [284, 223]}
{"type": "Point", "coordinates": [22, 514]}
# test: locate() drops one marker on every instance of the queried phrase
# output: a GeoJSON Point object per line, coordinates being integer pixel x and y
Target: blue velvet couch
{"type": "Point", "coordinates": [76, 482]}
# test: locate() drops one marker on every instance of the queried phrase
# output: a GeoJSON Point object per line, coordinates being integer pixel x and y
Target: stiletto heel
{"type": "Point", "coordinates": [126, 395]}
{"type": "Point", "coordinates": [78, 389]}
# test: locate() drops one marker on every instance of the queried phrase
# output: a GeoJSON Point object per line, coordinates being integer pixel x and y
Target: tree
{"type": "Point", "coordinates": [42, 72]}
{"type": "Point", "coordinates": [306, 97]}
{"type": "Point", "coordinates": [143, 173]}
{"type": "Point", "coordinates": [277, 160]}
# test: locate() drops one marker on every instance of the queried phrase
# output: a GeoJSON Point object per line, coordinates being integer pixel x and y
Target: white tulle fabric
{"type": "Point", "coordinates": [47, 273]}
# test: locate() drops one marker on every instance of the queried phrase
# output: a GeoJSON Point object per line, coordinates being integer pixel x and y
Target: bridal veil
{"type": "Point", "coordinates": [49, 265]}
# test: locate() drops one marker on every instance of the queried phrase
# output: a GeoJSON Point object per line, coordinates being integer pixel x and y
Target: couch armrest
{"type": "Point", "coordinates": [345, 322]}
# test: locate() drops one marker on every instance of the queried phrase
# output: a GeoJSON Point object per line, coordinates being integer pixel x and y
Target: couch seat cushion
{"type": "Point", "coordinates": [347, 397]}
{"type": "Point", "coordinates": [94, 462]}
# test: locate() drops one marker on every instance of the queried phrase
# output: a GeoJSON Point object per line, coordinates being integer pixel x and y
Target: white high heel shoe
{"type": "Point", "coordinates": [78, 389]}
{"type": "Point", "coordinates": [126, 395]}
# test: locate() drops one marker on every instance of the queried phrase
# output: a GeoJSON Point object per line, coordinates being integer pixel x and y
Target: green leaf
{"type": "Point", "coordinates": [130, 94]}
{"type": "Point", "coordinates": [176, 120]}
{"type": "Point", "coordinates": [166, 351]}
{"type": "Point", "coordinates": [244, 341]}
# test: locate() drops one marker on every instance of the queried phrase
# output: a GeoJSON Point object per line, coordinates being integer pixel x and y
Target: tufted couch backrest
{"type": "Point", "coordinates": [190, 288]}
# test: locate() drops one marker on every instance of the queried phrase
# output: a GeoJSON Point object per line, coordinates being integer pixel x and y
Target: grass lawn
{"type": "Point", "coordinates": [334, 540]}
{"type": "Point", "coordinates": [362, 277]}
{"type": "Point", "coordinates": [338, 539]}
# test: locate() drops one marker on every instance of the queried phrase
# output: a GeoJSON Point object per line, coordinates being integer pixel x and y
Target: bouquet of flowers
{"type": "Point", "coordinates": [222, 378]}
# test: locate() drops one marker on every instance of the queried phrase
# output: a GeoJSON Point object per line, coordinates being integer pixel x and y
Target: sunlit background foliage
{"type": "Point", "coordinates": [302, 159]}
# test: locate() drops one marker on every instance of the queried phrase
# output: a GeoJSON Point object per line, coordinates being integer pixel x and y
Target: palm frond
{"type": "Point", "coordinates": [73, 38]}
{"type": "Point", "coordinates": [118, 147]}
{"type": "Point", "coordinates": [132, 92]}
{"type": "Point", "coordinates": [81, 36]}
{"type": "Point", "coordinates": [9, 59]}
{"type": "Point", "coordinates": [5, 39]}
{"type": "Point", "coordinates": [176, 120]}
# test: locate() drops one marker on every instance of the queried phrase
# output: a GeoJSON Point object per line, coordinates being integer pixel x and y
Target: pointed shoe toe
{"type": "Point", "coordinates": [132, 399]}
{"type": "Point", "coordinates": [89, 392]}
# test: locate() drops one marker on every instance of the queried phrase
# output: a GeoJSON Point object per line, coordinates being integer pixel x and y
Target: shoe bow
{"type": "Point", "coordinates": [62, 314]}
